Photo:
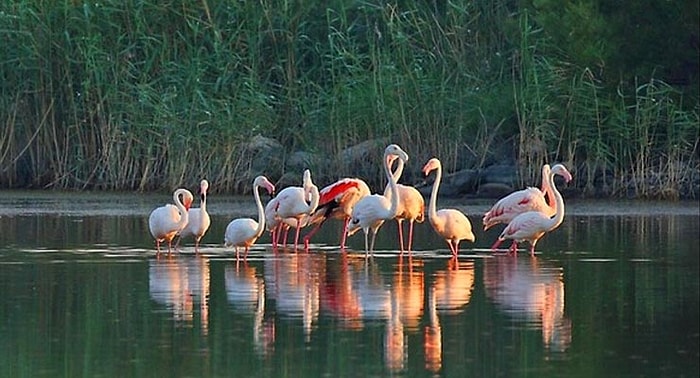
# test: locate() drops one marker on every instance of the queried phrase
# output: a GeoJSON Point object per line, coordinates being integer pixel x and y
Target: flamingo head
{"type": "Point", "coordinates": [187, 199]}
{"type": "Point", "coordinates": [394, 149]}
{"type": "Point", "coordinates": [432, 164]}
{"type": "Point", "coordinates": [203, 187]}
{"type": "Point", "coordinates": [561, 170]}
{"type": "Point", "coordinates": [265, 183]}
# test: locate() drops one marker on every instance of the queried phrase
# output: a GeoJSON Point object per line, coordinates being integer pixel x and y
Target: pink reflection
{"type": "Point", "coordinates": [338, 295]}
{"type": "Point", "coordinates": [533, 291]}
{"type": "Point", "coordinates": [182, 285]}
{"type": "Point", "coordinates": [453, 286]}
{"type": "Point", "coordinates": [432, 336]}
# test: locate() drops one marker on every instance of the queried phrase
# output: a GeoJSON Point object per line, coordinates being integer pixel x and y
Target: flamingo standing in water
{"type": "Point", "coordinates": [451, 224]}
{"type": "Point", "coordinates": [336, 201]}
{"type": "Point", "coordinates": [411, 204]}
{"type": "Point", "coordinates": [167, 221]}
{"type": "Point", "coordinates": [243, 232]}
{"type": "Point", "coordinates": [532, 225]}
{"type": "Point", "coordinates": [199, 219]}
{"type": "Point", "coordinates": [298, 202]}
{"type": "Point", "coordinates": [521, 201]}
{"type": "Point", "coordinates": [370, 212]}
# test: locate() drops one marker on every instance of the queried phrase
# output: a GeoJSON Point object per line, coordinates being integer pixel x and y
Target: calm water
{"type": "Point", "coordinates": [613, 292]}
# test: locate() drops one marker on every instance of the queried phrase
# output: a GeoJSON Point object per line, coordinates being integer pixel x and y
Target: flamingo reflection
{"type": "Point", "coordinates": [532, 291]}
{"type": "Point", "coordinates": [293, 282]}
{"type": "Point", "coordinates": [181, 284]}
{"type": "Point", "coordinates": [432, 336]}
{"type": "Point", "coordinates": [245, 291]}
{"type": "Point", "coordinates": [339, 297]}
{"type": "Point", "coordinates": [453, 286]}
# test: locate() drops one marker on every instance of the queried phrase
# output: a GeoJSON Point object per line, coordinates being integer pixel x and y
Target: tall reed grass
{"type": "Point", "coordinates": [125, 95]}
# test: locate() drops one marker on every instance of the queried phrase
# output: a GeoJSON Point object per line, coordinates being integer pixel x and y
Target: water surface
{"type": "Point", "coordinates": [613, 292]}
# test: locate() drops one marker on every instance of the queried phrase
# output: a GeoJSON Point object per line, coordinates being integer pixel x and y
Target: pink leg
{"type": "Point", "coordinates": [296, 237]}
{"type": "Point", "coordinates": [345, 233]}
{"type": "Point", "coordinates": [307, 237]}
{"type": "Point", "coordinates": [399, 222]}
{"type": "Point", "coordinates": [410, 236]}
{"type": "Point", "coordinates": [496, 244]}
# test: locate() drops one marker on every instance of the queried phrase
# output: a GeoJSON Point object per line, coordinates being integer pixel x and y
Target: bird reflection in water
{"type": "Point", "coordinates": [432, 336]}
{"type": "Point", "coordinates": [406, 311]}
{"type": "Point", "coordinates": [245, 291]}
{"type": "Point", "coordinates": [339, 296]}
{"type": "Point", "coordinates": [453, 286]}
{"type": "Point", "coordinates": [531, 291]}
{"type": "Point", "coordinates": [292, 281]}
{"type": "Point", "coordinates": [181, 284]}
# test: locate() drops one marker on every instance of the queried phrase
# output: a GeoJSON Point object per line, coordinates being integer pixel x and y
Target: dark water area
{"type": "Point", "coordinates": [614, 291]}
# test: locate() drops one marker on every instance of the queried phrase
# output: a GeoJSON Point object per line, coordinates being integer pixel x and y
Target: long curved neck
{"type": "Point", "coordinates": [399, 170]}
{"type": "Point", "coordinates": [558, 202]}
{"type": "Point", "coordinates": [432, 206]}
{"type": "Point", "coordinates": [547, 188]}
{"type": "Point", "coordinates": [315, 198]}
{"type": "Point", "coordinates": [261, 211]}
{"type": "Point", "coordinates": [393, 187]}
{"type": "Point", "coordinates": [184, 215]}
{"type": "Point", "coordinates": [203, 202]}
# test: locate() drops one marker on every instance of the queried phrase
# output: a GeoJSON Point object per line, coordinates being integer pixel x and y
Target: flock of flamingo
{"type": "Point", "coordinates": [528, 213]}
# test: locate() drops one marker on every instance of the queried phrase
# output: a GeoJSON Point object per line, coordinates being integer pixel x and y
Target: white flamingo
{"type": "Point", "coordinates": [532, 225]}
{"type": "Point", "coordinates": [411, 205]}
{"type": "Point", "coordinates": [167, 221]}
{"type": "Point", "coordinates": [243, 232]}
{"type": "Point", "coordinates": [199, 220]}
{"type": "Point", "coordinates": [522, 201]}
{"type": "Point", "coordinates": [298, 203]}
{"type": "Point", "coordinates": [451, 224]}
{"type": "Point", "coordinates": [370, 212]}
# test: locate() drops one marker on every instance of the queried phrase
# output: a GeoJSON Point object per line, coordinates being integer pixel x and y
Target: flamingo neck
{"type": "Point", "coordinates": [399, 170]}
{"type": "Point", "coordinates": [261, 211]}
{"type": "Point", "coordinates": [184, 215]}
{"type": "Point", "coordinates": [393, 209]}
{"type": "Point", "coordinates": [558, 203]}
{"type": "Point", "coordinates": [547, 188]}
{"type": "Point", "coordinates": [432, 206]}
{"type": "Point", "coordinates": [315, 198]}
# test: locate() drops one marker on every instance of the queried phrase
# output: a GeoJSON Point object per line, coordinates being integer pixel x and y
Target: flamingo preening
{"type": "Point", "coordinates": [297, 202]}
{"type": "Point", "coordinates": [199, 220]}
{"type": "Point", "coordinates": [370, 212]}
{"type": "Point", "coordinates": [336, 202]}
{"type": "Point", "coordinates": [167, 221]}
{"type": "Point", "coordinates": [521, 201]}
{"type": "Point", "coordinates": [532, 225]}
{"type": "Point", "coordinates": [243, 232]}
{"type": "Point", "coordinates": [411, 204]}
{"type": "Point", "coordinates": [451, 224]}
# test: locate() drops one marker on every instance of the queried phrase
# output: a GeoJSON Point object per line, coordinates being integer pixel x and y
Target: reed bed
{"type": "Point", "coordinates": [127, 95]}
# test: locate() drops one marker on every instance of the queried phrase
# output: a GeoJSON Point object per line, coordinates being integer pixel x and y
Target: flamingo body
{"type": "Point", "coordinates": [243, 232]}
{"type": "Point", "coordinates": [411, 205]}
{"type": "Point", "coordinates": [521, 201]}
{"type": "Point", "coordinates": [533, 225]}
{"type": "Point", "coordinates": [336, 202]}
{"type": "Point", "coordinates": [199, 220]}
{"type": "Point", "coordinates": [452, 224]}
{"type": "Point", "coordinates": [370, 212]}
{"type": "Point", "coordinates": [298, 202]}
{"type": "Point", "coordinates": [167, 221]}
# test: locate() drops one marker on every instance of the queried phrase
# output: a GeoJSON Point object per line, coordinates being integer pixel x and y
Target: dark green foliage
{"type": "Point", "coordinates": [133, 95]}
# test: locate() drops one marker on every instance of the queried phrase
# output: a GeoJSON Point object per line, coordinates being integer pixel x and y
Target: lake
{"type": "Point", "coordinates": [614, 291]}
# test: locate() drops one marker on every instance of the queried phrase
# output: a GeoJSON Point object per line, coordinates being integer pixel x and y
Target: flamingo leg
{"type": "Point", "coordinates": [400, 223]}
{"type": "Point", "coordinates": [366, 242]}
{"type": "Point", "coordinates": [345, 233]}
{"type": "Point", "coordinates": [284, 236]}
{"type": "Point", "coordinates": [307, 237]}
{"type": "Point", "coordinates": [296, 237]}
{"type": "Point", "coordinates": [410, 236]}
{"type": "Point", "coordinates": [496, 244]}
{"type": "Point", "coordinates": [374, 237]}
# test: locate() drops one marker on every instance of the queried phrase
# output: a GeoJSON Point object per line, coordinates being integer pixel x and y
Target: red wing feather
{"type": "Point", "coordinates": [330, 192]}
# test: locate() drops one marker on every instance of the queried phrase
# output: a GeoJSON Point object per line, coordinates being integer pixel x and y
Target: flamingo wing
{"type": "Point", "coordinates": [526, 226]}
{"type": "Point", "coordinates": [455, 225]}
{"type": "Point", "coordinates": [335, 191]}
{"type": "Point", "coordinates": [240, 232]}
{"type": "Point", "coordinates": [510, 206]}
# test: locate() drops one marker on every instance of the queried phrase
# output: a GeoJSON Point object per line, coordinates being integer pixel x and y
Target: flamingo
{"type": "Point", "coordinates": [243, 232]}
{"type": "Point", "coordinates": [336, 201]}
{"type": "Point", "coordinates": [528, 199]}
{"type": "Point", "coordinates": [370, 212]}
{"type": "Point", "coordinates": [292, 202]}
{"type": "Point", "coordinates": [411, 205]}
{"type": "Point", "coordinates": [532, 225]}
{"type": "Point", "coordinates": [199, 220]}
{"type": "Point", "coordinates": [167, 221]}
{"type": "Point", "coordinates": [451, 224]}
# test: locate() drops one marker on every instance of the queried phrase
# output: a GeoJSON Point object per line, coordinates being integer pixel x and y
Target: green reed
{"type": "Point", "coordinates": [143, 96]}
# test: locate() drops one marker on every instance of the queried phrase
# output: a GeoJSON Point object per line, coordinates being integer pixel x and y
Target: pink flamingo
{"type": "Point", "coordinates": [411, 205]}
{"type": "Point", "coordinates": [298, 202]}
{"type": "Point", "coordinates": [243, 232]}
{"type": "Point", "coordinates": [521, 201]}
{"type": "Point", "coordinates": [370, 212]}
{"type": "Point", "coordinates": [336, 202]}
{"type": "Point", "coordinates": [199, 220]}
{"type": "Point", "coordinates": [451, 224]}
{"type": "Point", "coordinates": [167, 221]}
{"type": "Point", "coordinates": [532, 225]}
